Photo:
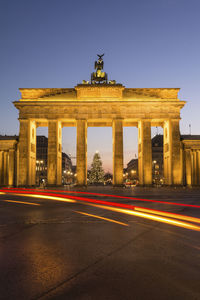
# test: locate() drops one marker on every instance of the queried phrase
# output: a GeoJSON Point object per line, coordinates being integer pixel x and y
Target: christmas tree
{"type": "Point", "coordinates": [96, 172]}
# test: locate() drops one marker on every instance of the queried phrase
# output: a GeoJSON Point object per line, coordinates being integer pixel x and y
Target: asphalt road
{"type": "Point", "coordinates": [52, 249]}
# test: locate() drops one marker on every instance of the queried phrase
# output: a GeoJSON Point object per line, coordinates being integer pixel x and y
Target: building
{"type": "Point", "coordinates": [189, 164]}
{"type": "Point", "coordinates": [190, 151]}
{"type": "Point", "coordinates": [9, 160]}
{"type": "Point", "coordinates": [103, 102]}
{"type": "Point", "coordinates": [42, 162]}
{"type": "Point", "coordinates": [66, 162]}
{"type": "Point", "coordinates": [157, 163]}
{"type": "Point", "coordinates": [190, 161]}
{"type": "Point", "coordinates": [99, 102]}
{"type": "Point", "coordinates": [67, 172]}
{"type": "Point", "coordinates": [131, 172]}
{"type": "Point", "coordinates": [41, 159]}
{"type": "Point", "coordinates": [157, 159]}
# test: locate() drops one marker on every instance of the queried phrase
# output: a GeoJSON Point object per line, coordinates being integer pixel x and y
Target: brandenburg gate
{"type": "Point", "coordinates": [99, 103]}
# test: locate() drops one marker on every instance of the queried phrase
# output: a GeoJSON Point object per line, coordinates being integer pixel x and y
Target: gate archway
{"type": "Point", "coordinates": [99, 105]}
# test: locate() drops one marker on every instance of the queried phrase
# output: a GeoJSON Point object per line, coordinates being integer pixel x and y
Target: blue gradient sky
{"type": "Point", "coordinates": [147, 43]}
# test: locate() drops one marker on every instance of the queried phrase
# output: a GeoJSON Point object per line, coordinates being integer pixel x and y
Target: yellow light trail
{"type": "Point", "coordinates": [151, 217]}
{"type": "Point", "coordinates": [168, 214]}
{"type": "Point", "coordinates": [98, 217]}
{"type": "Point", "coordinates": [1, 193]}
{"type": "Point", "coordinates": [138, 212]}
{"type": "Point", "coordinates": [46, 197]}
{"type": "Point", "coordinates": [20, 202]}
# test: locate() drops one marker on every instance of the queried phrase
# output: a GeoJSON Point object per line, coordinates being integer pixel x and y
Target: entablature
{"type": "Point", "coordinates": [94, 110]}
{"type": "Point", "coordinates": [191, 144]}
{"type": "Point", "coordinates": [98, 122]}
{"type": "Point", "coordinates": [6, 145]}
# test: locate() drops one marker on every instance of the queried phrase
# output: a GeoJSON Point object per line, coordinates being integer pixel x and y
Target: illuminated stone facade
{"type": "Point", "coordinates": [131, 172]}
{"type": "Point", "coordinates": [9, 160]}
{"type": "Point", "coordinates": [190, 161]}
{"type": "Point", "coordinates": [190, 152]}
{"type": "Point", "coordinates": [42, 160]}
{"type": "Point", "coordinates": [99, 105]}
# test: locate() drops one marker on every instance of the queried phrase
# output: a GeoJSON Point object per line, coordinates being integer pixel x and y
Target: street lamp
{"type": "Point", "coordinates": [133, 172]}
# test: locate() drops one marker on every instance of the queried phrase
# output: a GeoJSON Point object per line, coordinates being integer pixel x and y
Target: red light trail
{"type": "Point", "coordinates": [107, 195]}
{"type": "Point", "coordinates": [138, 211]}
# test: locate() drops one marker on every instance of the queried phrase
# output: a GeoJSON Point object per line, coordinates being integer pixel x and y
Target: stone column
{"type": "Point", "coordinates": [144, 152]}
{"type": "Point", "coordinates": [27, 152]}
{"type": "Point", "coordinates": [16, 175]}
{"type": "Point", "coordinates": [23, 153]}
{"type": "Point", "coordinates": [117, 132]}
{"type": "Point", "coordinates": [1, 168]}
{"type": "Point", "coordinates": [32, 151]}
{"type": "Point", "coordinates": [188, 165]}
{"type": "Point", "coordinates": [172, 153]}
{"type": "Point", "coordinates": [192, 167]}
{"type": "Point", "coordinates": [198, 167]}
{"type": "Point", "coordinates": [81, 152]}
{"type": "Point", "coordinates": [5, 168]}
{"type": "Point", "coordinates": [195, 166]}
{"type": "Point", "coordinates": [54, 171]}
{"type": "Point", "coordinates": [11, 167]}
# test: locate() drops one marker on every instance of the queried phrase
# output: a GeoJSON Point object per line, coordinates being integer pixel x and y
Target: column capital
{"type": "Point", "coordinates": [118, 119]}
{"type": "Point", "coordinates": [23, 120]}
{"type": "Point", "coordinates": [53, 120]}
{"type": "Point", "coordinates": [145, 120]}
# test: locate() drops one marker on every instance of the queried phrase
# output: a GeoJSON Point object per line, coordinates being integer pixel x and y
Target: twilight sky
{"type": "Point", "coordinates": [147, 43]}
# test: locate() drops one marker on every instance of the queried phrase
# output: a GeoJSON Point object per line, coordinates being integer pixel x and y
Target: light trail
{"type": "Point", "coordinates": [102, 218]}
{"type": "Point", "coordinates": [114, 196]}
{"type": "Point", "coordinates": [20, 202]}
{"type": "Point", "coordinates": [48, 197]}
{"type": "Point", "coordinates": [128, 206]}
{"type": "Point", "coordinates": [2, 193]}
{"type": "Point", "coordinates": [152, 217]}
{"type": "Point", "coordinates": [168, 214]}
{"type": "Point", "coordinates": [125, 208]}
{"type": "Point", "coordinates": [67, 198]}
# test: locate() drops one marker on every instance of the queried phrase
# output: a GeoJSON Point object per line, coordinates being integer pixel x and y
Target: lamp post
{"type": "Point", "coordinates": [155, 178]}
